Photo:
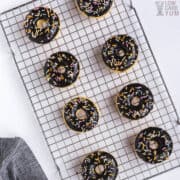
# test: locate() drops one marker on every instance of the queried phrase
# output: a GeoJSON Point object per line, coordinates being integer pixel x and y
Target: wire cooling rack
{"type": "Point", "coordinates": [84, 38]}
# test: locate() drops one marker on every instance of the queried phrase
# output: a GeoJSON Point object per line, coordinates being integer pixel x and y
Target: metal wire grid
{"type": "Point", "coordinates": [84, 38]}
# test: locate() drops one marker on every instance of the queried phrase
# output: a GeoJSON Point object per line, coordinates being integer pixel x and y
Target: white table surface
{"type": "Point", "coordinates": [17, 117]}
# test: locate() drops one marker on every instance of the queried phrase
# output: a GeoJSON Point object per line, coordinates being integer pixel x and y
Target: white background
{"type": "Point", "coordinates": [16, 116]}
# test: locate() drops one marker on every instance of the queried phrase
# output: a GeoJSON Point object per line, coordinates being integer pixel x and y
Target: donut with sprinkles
{"type": "Point", "coordinates": [41, 25]}
{"type": "Point", "coordinates": [81, 114]}
{"type": "Point", "coordinates": [99, 165]}
{"type": "Point", "coordinates": [135, 101]}
{"type": "Point", "coordinates": [120, 53]}
{"type": "Point", "coordinates": [153, 145]}
{"type": "Point", "coordinates": [61, 69]}
{"type": "Point", "coordinates": [94, 8]}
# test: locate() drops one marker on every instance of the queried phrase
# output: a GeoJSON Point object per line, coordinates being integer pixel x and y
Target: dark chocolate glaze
{"type": "Point", "coordinates": [47, 31]}
{"type": "Point", "coordinates": [91, 114]}
{"type": "Point", "coordinates": [94, 8]}
{"type": "Point", "coordinates": [140, 108]}
{"type": "Point", "coordinates": [99, 158]}
{"type": "Point", "coordinates": [61, 69]}
{"type": "Point", "coordinates": [153, 155]}
{"type": "Point", "coordinates": [120, 52]}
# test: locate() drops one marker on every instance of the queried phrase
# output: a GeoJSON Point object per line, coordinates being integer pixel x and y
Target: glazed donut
{"type": "Point", "coordinates": [120, 52]}
{"type": "Point", "coordinates": [61, 69]}
{"type": "Point", "coordinates": [153, 145]}
{"type": "Point", "coordinates": [81, 114]}
{"type": "Point", "coordinates": [94, 8]}
{"type": "Point", "coordinates": [134, 101]}
{"type": "Point", "coordinates": [99, 165]}
{"type": "Point", "coordinates": [41, 25]}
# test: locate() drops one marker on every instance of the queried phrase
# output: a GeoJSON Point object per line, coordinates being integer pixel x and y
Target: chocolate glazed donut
{"type": "Point", "coordinates": [99, 165]}
{"type": "Point", "coordinates": [81, 114]}
{"type": "Point", "coordinates": [61, 69]}
{"type": "Point", "coordinates": [120, 53]}
{"type": "Point", "coordinates": [135, 101]}
{"type": "Point", "coordinates": [94, 8]}
{"type": "Point", "coordinates": [153, 145]}
{"type": "Point", "coordinates": [41, 25]}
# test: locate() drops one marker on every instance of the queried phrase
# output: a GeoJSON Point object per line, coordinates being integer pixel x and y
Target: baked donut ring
{"type": "Point", "coordinates": [135, 101]}
{"type": "Point", "coordinates": [94, 8]}
{"type": "Point", "coordinates": [153, 145]}
{"type": "Point", "coordinates": [99, 165]}
{"type": "Point", "coordinates": [61, 69]}
{"type": "Point", "coordinates": [120, 53]}
{"type": "Point", "coordinates": [42, 25]}
{"type": "Point", "coordinates": [81, 114]}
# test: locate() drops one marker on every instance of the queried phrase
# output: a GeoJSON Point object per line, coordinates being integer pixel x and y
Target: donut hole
{"type": "Point", "coordinates": [42, 23]}
{"type": "Point", "coordinates": [135, 101]}
{"type": "Point", "coordinates": [61, 69]}
{"type": "Point", "coordinates": [99, 169]}
{"type": "Point", "coordinates": [81, 114]}
{"type": "Point", "coordinates": [153, 144]}
{"type": "Point", "coordinates": [121, 52]}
